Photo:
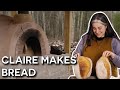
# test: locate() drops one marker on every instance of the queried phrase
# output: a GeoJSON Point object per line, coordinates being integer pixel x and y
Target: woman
{"type": "Point", "coordinates": [100, 40]}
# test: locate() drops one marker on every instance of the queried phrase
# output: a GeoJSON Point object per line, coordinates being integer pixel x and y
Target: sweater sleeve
{"type": "Point", "coordinates": [80, 45]}
{"type": "Point", "coordinates": [116, 50]}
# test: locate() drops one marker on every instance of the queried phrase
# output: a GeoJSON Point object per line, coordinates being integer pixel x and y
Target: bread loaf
{"type": "Point", "coordinates": [103, 68]}
{"type": "Point", "coordinates": [83, 68]}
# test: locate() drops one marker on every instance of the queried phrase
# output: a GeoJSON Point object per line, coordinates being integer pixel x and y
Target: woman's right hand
{"type": "Point", "coordinates": [77, 55]}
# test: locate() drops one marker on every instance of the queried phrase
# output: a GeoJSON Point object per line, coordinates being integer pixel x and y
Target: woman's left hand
{"type": "Point", "coordinates": [108, 53]}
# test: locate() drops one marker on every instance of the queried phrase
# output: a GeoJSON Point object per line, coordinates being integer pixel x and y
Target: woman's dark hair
{"type": "Point", "coordinates": [109, 30]}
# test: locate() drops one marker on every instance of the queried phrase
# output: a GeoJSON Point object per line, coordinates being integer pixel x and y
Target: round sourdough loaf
{"type": "Point", "coordinates": [83, 68]}
{"type": "Point", "coordinates": [103, 68]}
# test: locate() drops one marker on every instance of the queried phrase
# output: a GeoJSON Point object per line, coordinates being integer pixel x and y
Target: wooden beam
{"type": "Point", "coordinates": [67, 31]}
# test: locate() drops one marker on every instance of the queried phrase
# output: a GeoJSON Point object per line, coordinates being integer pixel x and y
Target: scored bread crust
{"type": "Point", "coordinates": [83, 68]}
{"type": "Point", "coordinates": [103, 68]}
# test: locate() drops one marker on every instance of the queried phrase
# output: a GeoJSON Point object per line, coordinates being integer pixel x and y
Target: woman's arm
{"type": "Point", "coordinates": [116, 51]}
{"type": "Point", "coordinates": [80, 45]}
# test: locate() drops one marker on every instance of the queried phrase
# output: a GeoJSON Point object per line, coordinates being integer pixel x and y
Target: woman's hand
{"type": "Point", "coordinates": [108, 53]}
{"type": "Point", "coordinates": [77, 55]}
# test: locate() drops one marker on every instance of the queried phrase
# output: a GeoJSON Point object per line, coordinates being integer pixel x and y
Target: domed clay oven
{"type": "Point", "coordinates": [20, 35]}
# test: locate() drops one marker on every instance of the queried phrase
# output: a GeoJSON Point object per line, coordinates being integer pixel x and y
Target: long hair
{"type": "Point", "coordinates": [110, 31]}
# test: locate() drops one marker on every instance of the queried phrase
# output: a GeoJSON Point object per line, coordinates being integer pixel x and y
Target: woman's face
{"type": "Point", "coordinates": [99, 29]}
